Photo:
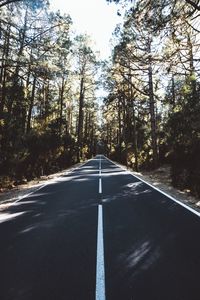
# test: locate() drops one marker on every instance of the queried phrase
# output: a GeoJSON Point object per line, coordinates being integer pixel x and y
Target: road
{"type": "Point", "coordinates": [99, 233]}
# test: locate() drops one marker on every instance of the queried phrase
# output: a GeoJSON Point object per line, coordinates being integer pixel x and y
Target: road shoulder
{"type": "Point", "coordinates": [160, 179]}
{"type": "Point", "coordinates": [12, 195]}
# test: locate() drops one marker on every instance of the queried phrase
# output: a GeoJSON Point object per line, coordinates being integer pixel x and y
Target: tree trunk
{"type": "Point", "coordinates": [3, 73]}
{"type": "Point", "coordinates": [120, 129]}
{"type": "Point", "coordinates": [173, 92]}
{"type": "Point", "coordinates": [17, 68]}
{"type": "Point", "coordinates": [124, 106]}
{"type": "Point", "coordinates": [87, 122]}
{"type": "Point", "coordinates": [192, 68]}
{"type": "Point", "coordinates": [152, 111]}
{"type": "Point", "coordinates": [80, 120]}
{"type": "Point", "coordinates": [69, 120]}
{"type": "Point", "coordinates": [28, 127]}
{"type": "Point", "coordinates": [135, 139]}
{"type": "Point", "coordinates": [61, 104]}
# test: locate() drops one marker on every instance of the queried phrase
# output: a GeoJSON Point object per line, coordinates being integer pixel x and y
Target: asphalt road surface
{"type": "Point", "coordinates": [99, 233]}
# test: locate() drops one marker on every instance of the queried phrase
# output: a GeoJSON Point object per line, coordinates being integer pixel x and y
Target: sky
{"type": "Point", "coordinates": [97, 18]}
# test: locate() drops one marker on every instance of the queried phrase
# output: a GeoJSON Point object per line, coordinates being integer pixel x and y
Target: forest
{"type": "Point", "coordinates": [48, 112]}
{"type": "Point", "coordinates": [50, 116]}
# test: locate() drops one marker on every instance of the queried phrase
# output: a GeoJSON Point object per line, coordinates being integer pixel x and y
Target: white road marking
{"type": "Point", "coordinates": [100, 180]}
{"type": "Point", "coordinates": [100, 268]}
{"type": "Point", "coordinates": [160, 191]}
{"type": "Point", "coordinates": [100, 186]}
{"type": "Point", "coordinates": [100, 163]}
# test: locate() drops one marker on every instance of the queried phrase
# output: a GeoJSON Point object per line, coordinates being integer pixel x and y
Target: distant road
{"type": "Point", "coordinates": [99, 233]}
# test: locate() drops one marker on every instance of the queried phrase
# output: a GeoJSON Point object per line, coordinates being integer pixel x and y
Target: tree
{"type": "Point", "coordinates": [86, 70]}
{"type": "Point", "coordinates": [38, 100]}
{"type": "Point", "coordinates": [156, 59]}
{"type": "Point", "coordinates": [33, 3]}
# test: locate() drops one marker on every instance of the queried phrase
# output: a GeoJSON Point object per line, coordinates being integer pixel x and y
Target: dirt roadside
{"type": "Point", "coordinates": [160, 178]}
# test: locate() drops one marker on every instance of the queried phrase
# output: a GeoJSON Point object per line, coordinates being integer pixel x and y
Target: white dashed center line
{"type": "Point", "coordinates": [100, 268]}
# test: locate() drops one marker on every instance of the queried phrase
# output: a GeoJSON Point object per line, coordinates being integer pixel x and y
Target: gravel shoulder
{"type": "Point", "coordinates": [160, 178]}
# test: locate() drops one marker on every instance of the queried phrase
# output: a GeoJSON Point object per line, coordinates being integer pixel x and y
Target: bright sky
{"type": "Point", "coordinates": [97, 18]}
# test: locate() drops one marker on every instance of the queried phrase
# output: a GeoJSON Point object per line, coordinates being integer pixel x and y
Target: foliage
{"type": "Point", "coordinates": [152, 111]}
{"type": "Point", "coordinates": [183, 127]}
{"type": "Point", "coordinates": [40, 77]}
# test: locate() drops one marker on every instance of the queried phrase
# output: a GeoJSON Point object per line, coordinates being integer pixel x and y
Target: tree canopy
{"type": "Point", "coordinates": [48, 107]}
{"type": "Point", "coordinates": [50, 116]}
{"type": "Point", "coordinates": [152, 111]}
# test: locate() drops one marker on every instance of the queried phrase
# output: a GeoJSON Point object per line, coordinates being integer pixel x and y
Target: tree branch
{"type": "Point", "coordinates": [3, 3]}
{"type": "Point", "coordinates": [195, 5]}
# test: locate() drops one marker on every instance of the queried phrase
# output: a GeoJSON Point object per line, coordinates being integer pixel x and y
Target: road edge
{"type": "Point", "coordinates": [188, 207]}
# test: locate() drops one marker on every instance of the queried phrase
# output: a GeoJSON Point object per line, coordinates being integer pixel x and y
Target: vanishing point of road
{"type": "Point", "coordinates": [99, 233]}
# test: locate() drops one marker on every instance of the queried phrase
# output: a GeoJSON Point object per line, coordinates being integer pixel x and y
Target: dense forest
{"type": "Point", "coordinates": [50, 116]}
{"type": "Point", "coordinates": [48, 112]}
{"type": "Point", "coordinates": [152, 113]}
